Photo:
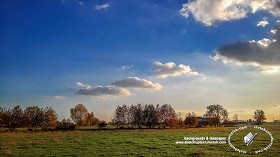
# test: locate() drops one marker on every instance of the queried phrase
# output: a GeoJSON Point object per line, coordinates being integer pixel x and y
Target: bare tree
{"type": "Point", "coordinates": [259, 116]}
{"type": "Point", "coordinates": [78, 114]}
{"type": "Point", "coordinates": [137, 115]}
{"type": "Point", "coordinates": [167, 115]}
{"type": "Point", "coordinates": [150, 117]}
{"type": "Point", "coordinates": [235, 118]}
{"type": "Point", "coordinates": [120, 116]}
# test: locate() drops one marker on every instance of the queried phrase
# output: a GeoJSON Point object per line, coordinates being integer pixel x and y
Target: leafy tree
{"type": "Point", "coordinates": [50, 117]}
{"type": "Point", "coordinates": [11, 118]}
{"type": "Point", "coordinates": [259, 116]}
{"type": "Point", "coordinates": [191, 120]}
{"type": "Point", "coordinates": [16, 117]}
{"type": "Point", "coordinates": [95, 121]}
{"type": "Point", "coordinates": [217, 112]}
{"type": "Point", "coordinates": [78, 114]}
{"type": "Point", "coordinates": [34, 117]}
{"type": "Point", "coordinates": [89, 121]}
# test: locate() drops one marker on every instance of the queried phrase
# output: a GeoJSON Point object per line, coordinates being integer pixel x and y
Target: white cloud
{"type": "Point", "coordinates": [125, 67]}
{"type": "Point", "coordinates": [102, 6]}
{"type": "Point", "coordinates": [212, 11]}
{"type": "Point", "coordinates": [80, 84]}
{"type": "Point", "coordinates": [171, 69]}
{"type": "Point", "coordinates": [266, 42]}
{"type": "Point", "coordinates": [136, 82]}
{"type": "Point", "coordinates": [273, 31]}
{"type": "Point", "coordinates": [100, 91]}
{"type": "Point", "coordinates": [60, 97]}
{"type": "Point", "coordinates": [263, 23]}
{"type": "Point", "coordinates": [271, 6]}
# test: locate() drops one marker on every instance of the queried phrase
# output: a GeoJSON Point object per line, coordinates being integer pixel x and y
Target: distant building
{"type": "Point", "coordinates": [246, 122]}
{"type": "Point", "coordinates": [205, 121]}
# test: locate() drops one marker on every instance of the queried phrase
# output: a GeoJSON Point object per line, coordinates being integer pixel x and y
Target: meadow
{"type": "Point", "coordinates": [137, 142]}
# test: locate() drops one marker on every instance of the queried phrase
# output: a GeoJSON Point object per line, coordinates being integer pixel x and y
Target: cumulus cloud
{"type": "Point", "coordinates": [164, 70]}
{"type": "Point", "coordinates": [136, 82]}
{"type": "Point", "coordinates": [263, 53]}
{"type": "Point", "coordinates": [102, 6]}
{"type": "Point", "coordinates": [263, 23]}
{"type": "Point", "coordinates": [211, 11]}
{"type": "Point", "coordinates": [100, 91]}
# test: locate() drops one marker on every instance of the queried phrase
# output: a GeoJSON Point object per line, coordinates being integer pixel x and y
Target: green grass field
{"type": "Point", "coordinates": [146, 142]}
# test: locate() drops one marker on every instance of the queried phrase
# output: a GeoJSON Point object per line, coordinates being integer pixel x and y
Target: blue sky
{"type": "Point", "coordinates": [63, 52]}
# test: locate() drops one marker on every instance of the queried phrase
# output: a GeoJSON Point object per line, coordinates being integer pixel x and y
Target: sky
{"type": "Point", "coordinates": [104, 53]}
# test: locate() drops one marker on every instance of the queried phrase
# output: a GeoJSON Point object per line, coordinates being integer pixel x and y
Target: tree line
{"type": "Point", "coordinates": [133, 116]}
{"type": "Point", "coordinates": [34, 117]}
{"type": "Point", "coordinates": [162, 116]}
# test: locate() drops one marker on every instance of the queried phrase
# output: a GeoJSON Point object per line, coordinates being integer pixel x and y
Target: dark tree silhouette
{"type": "Point", "coordinates": [217, 113]}
{"type": "Point", "coordinates": [191, 120]}
{"type": "Point", "coordinates": [259, 116]}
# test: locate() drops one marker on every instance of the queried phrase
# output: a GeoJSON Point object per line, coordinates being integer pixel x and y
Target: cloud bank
{"type": "Point", "coordinates": [263, 53]}
{"type": "Point", "coordinates": [136, 82]}
{"type": "Point", "coordinates": [163, 70]}
{"type": "Point", "coordinates": [209, 12]}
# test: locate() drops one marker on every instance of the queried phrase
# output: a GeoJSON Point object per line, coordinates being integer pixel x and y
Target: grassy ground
{"type": "Point", "coordinates": [147, 142]}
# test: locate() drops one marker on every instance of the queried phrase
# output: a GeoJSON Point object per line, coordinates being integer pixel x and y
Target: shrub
{"type": "Point", "coordinates": [102, 125]}
{"type": "Point", "coordinates": [65, 125]}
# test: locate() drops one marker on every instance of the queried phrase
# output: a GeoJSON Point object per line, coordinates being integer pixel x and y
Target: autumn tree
{"type": "Point", "coordinates": [191, 120]}
{"type": "Point", "coordinates": [2, 112]}
{"type": "Point", "coordinates": [78, 114]}
{"type": "Point", "coordinates": [217, 113]}
{"type": "Point", "coordinates": [11, 118]}
{"type": "Point", "coordinates": [91, 120]}
{"type": "Point", "coordinates": [16, 117]}
{"type": "Point", "coordinates": [34, 117]}
{"type": "Point", "coordinates": [259, 116]}
{"type": "Point", "coordinates": [50, 117]}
